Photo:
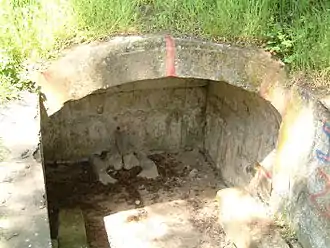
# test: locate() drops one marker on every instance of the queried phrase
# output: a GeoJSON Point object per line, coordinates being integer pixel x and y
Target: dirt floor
{"type": "Point", "coordinates": [183, 195]}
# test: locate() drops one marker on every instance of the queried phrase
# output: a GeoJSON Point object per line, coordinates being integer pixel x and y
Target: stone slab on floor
{"type": "Point", "coordinates": [161, 225]}
{"type": "Point", "coordinates": [23, 211]}
{"type": "Point", "coordinates": [72, 232]}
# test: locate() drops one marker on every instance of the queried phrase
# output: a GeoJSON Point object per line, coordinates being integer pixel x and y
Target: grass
{"type": "Point", "coordinates": [297, 31]}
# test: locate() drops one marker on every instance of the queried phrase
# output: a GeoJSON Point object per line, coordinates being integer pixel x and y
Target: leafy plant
{"type": "Point", "coordinates": [11, 77]}
{"type": "Point", "coordinates": [280, 42]}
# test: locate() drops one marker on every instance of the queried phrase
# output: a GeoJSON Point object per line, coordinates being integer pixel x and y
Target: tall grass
{"type": "Point", "coordinates": [97, 18]}
{"type": "Point", "coordinates": [29, 30]}
{"type": "Point", "coordinates": [297, 30]}
{"type": "Point", "coordinates": [312, 40]}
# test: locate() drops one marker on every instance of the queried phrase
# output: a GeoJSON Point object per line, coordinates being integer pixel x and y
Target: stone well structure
{"type": "Point", "coordinates": [170, 94]}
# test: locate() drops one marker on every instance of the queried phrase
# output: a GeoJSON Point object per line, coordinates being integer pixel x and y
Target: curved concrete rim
{"type": "Point", "coordinates": [301, 170]}
{"type": "Point", "coordinates": [135, 58]}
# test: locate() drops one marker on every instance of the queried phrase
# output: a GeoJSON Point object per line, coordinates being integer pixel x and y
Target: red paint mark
{"type": "Point", "coordinates": [263, 172]}
{"type": "Point", "coordinates": [322, 156]}
{"type": "Point", "coordinates": [266, 173]}
{"type": "Point", "coordinates": [313, 197]}
{"type": "Point", "coordinates": [170, 57]}
{"type": "Point", "coordinates": [264, 89]}
{"type": "Point", "coordinates": [46, 75]}
{"type": "Point", "coordinates": [326, 128]}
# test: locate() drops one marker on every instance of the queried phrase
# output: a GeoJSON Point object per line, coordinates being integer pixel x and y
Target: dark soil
{"type": "Point", "coordinates": [72, 185]}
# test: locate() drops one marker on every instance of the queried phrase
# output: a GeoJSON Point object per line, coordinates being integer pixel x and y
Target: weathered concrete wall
{"type": "Point", "coordinates": [90, 68]}
{"type": "Point", "coordinates": [164, 114]}
{"type": "Point", "coordinates": [301, 171]}
{"type": "Point", "coordinates": [168, 115]}
{"type": "Point", "coordinates": [303, 145]}
{"type": "Point", "coordinates": [241, 128]}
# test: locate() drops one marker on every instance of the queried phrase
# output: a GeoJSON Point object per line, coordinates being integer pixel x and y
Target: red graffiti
{"type": "Point", "coordinates": [323, 157]}
{"type": "Point", "coordinates": [170, 56]}
{"type": "Point", "coordinates": [47, 75]}
{"type": "Point", "coordinates": [313, 197]}
{"type": "Point", "coordinates": [326, 128]}
{"type": "Point", "coordinates": [263, 172]}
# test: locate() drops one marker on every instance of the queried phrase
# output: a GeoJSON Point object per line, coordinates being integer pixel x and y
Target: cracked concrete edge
{"type": "Point", "coordinates": [24, 216]}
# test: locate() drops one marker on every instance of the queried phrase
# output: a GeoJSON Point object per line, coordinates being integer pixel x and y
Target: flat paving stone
{"type": "Point", "coordinates": [72, 232]}
{"type": "Point", "coordinates": [23, 211]}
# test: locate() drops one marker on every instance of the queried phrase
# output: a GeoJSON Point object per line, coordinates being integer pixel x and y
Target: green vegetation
{"type": "Point", "coordinates": [287, 230]}
{"type": "Point", "coordinates": [298, 31]}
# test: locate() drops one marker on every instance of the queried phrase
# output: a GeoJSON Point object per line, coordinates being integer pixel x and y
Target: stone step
{"type": "Point", "coordinates": [72, 232]}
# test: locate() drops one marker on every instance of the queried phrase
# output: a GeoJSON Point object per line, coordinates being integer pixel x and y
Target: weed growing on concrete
{"type": "Point", "coordinates": [287, 230]}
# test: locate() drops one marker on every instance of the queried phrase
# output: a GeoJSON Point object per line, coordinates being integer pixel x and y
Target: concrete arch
{"type": "Point", "coordinates": [129, 64]}
{"type": "Point", "coordinates": [300, 171]}
{"type": "Point", "coordinates": [96, 66]}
